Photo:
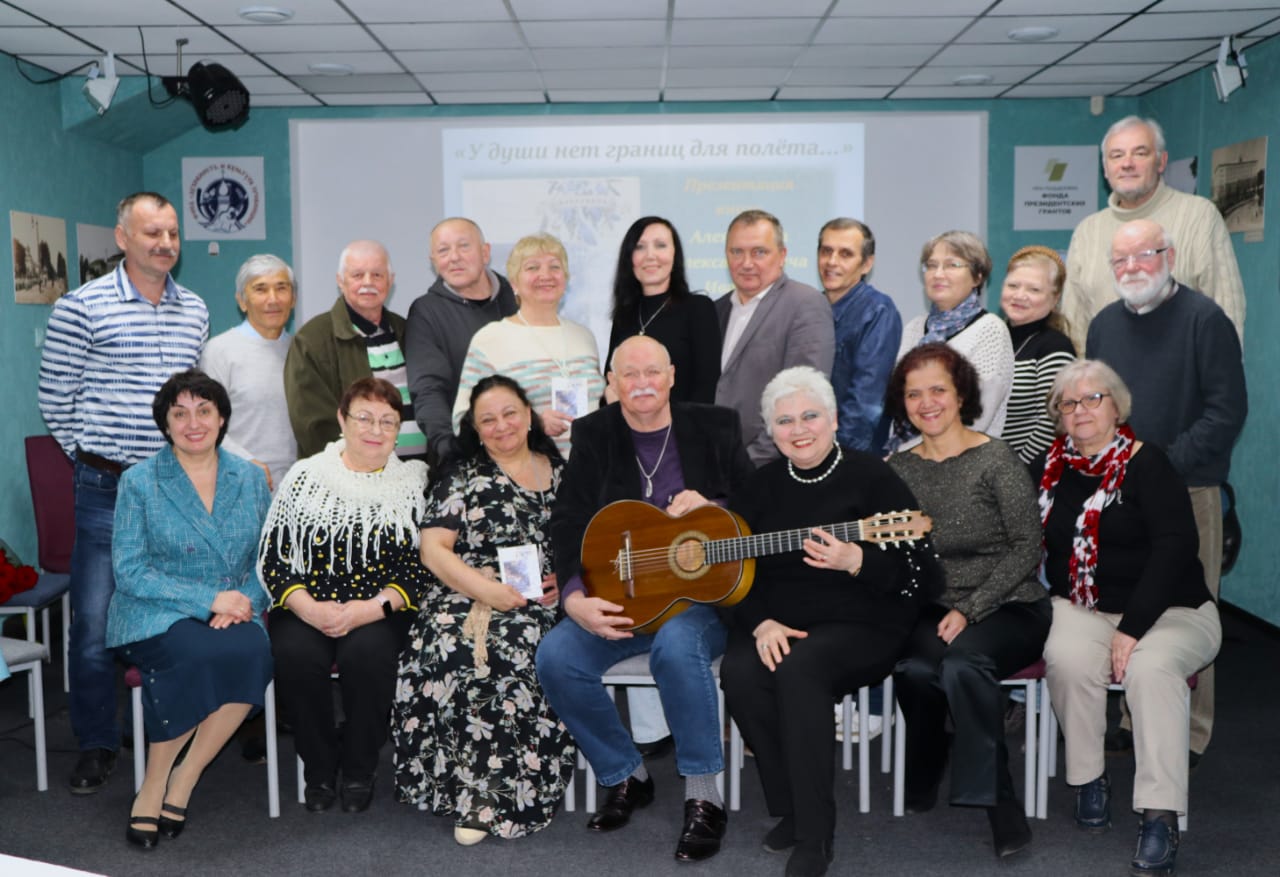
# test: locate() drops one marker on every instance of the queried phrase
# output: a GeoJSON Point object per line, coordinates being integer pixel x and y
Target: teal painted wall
{"type": "Point", "coordinates": [1034, 122]}
{"type": "Point", "coordinates": [41, 172]}
{"type": "Point", "coordinates": [1196, 123]}
{"type": "Point", "coordinates": [47, 171]}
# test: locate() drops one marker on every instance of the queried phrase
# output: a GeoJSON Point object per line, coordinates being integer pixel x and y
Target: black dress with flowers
{"type": "Point", "coordinates": [474, 738]}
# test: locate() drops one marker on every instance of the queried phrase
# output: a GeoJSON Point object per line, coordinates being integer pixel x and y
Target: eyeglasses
{"type": "Point", "coordinates": [1093, 400]}
{"type": "Point", "coordinates": [949, 265]}
{"type": "Point", "coordinates": [366, 422]}
{"type": "Point", "coordinates": [1121, 262]}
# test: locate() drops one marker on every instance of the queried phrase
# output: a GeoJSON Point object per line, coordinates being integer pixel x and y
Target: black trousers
{"type": "Point", "coordinates": [785, 715]}
{"type": "Point", "coordinates": [964, 678]}
{"type": "Point", "coordinates": [365, 660]}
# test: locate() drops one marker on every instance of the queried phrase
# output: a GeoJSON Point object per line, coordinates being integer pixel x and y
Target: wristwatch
{"type": "Point", "coordinates": [386, 605]}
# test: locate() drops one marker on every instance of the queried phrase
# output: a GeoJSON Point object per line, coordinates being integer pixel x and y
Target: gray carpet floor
{"type": "Point", "coordinates": [1234, 830]}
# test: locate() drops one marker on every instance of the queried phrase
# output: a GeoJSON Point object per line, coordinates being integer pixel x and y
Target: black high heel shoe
{"type": "Point", "coordinates": [171, 828]}
{"type": "Point", "coordinates": [146, 840]}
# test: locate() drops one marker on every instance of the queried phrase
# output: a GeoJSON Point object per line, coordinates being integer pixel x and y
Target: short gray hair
{"type": "Point", "coordinates": [260, 265]}
{"type": "Point", "coordinates": [1098, 372]}
{"type": "Point", "coordinates": [797, 379]}
{"type": "Point", "coordinates": [751, 217]}
{"type": "Point", "coordinates": [844, 223]}
{"type": "Point", "coordinates": [1157, 133]}
{"type": "Point", "coordinates": [360, 245]}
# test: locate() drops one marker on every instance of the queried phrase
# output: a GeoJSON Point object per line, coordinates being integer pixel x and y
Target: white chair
{"type": "Point", "coordinates": [1035, 743]}
{"type": "Point", "coordinates": [24, 656]}
{"type": "Point", "coordinates": [268, 717]}
{"type": "Point", "coordinates": [864, 738]}
{"type": "Point", "coordinates": [635, 671]}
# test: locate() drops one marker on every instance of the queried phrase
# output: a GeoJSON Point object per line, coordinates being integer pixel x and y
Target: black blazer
{"type": "Point", "coordinates": [602, 469]}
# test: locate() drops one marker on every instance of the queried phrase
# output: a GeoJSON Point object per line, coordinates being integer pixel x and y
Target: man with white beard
{"type": "Point", "coordinates": [1180, 356]}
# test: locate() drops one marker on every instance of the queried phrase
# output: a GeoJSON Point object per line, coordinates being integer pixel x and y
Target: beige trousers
{"type": "Point", "coordinates": [1206, 502]}
{"type": "Point", "coordinates": [1078, 660]}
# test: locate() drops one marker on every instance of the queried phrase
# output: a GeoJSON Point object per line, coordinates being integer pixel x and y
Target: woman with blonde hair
{"type": "Point", "coordinates": [1032, 292]}
{"type": "Point", "coordinates": [555, 360]}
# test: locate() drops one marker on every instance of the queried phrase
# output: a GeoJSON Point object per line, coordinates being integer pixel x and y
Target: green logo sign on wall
{"type": "Point", "coordinates": [1055, 170]}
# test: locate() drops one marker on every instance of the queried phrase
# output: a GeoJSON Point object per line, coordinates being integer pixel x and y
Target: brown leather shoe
{"type": "Point", "coordinates": [704, 825]}
{"type": "Point", "coordinates": [623, 798]}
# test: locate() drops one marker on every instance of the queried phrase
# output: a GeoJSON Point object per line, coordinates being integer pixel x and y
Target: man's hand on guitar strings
{"type": "Point", "coordinates": [686, 501]}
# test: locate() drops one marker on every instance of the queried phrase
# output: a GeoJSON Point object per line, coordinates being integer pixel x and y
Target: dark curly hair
{"type": "Point", "coordinates": [626, 289]}
{"type": "Point", "coordinates": [469, 438]}
{"type": "Point", "coordinates": [963, 376]}
{"type": "Point", "coordinates": [200, 386]}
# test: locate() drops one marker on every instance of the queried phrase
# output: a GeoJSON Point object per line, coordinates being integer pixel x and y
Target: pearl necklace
{"type": "Point", "coordinates": [791, 469]}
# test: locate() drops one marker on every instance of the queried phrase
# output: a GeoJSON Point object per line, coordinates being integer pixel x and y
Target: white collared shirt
{"type": "Point", "coordinates": [739, 316]}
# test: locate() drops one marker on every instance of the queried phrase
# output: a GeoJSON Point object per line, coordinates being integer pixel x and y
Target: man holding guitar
{"type": "Point", "coordinates": [677, 457]}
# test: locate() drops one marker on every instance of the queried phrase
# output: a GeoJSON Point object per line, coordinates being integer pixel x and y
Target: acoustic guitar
{"type": "Point", "coordinates": [655, 566]}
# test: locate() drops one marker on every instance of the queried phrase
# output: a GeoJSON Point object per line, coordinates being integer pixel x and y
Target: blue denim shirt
{"type": "Point", "coordinates": [868, 332]}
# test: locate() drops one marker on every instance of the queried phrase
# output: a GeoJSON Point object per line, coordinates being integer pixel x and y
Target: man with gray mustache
{"type": "Point", "coordinates": [676, 456]}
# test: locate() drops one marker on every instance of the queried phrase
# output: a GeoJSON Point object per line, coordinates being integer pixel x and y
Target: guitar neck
{"type": "Point", "coordinates": [780, 542]}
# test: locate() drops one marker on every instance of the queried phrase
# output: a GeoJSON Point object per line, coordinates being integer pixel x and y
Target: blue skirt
{"type": "Point", "coordinates": [191, 670]}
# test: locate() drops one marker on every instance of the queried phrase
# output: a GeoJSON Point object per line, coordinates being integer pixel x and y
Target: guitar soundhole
{"type": "Point", "coordinates": [687, 556]}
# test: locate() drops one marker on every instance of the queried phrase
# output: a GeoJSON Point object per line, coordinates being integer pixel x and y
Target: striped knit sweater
{"type": "Point", "coordinates": [1039, 354]}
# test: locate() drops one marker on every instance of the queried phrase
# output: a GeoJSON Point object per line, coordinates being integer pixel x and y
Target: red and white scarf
{"type": "Point", "coordinates": [1109, 464]}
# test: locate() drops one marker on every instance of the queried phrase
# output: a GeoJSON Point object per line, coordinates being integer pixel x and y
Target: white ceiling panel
{"type": "Point", "coordinates": [483, 35]}
{"type": "Point", "coordinates": [283, 100]}
{"type": "Point", "coordinates": [509, 51]}
{"type": "Point", "coordinates": [590, 96]}
{"type": "Point", "coordinates": [383, 11]}
{"type": "Point", "coordinates": [743, 32]}
{"type": "Point", "coordinates": [1071, 28]}
{"type": "Point", "coordinates": [728, 93]}
{"type": "Point", "coordinates": [892, 30]}
{"type": "Point", "coordinates": [593, 34]}
{"type": "Point", "coordinates": [831, 92]}
{"type": "Point", "coordinates": [1187, 25]}
{"type": "Point", "coordinates": [576, 10]}
{"type": "Point", "coordinates": [389, 99]}
{"type": "Point", "coordinates": [489, 97]}
{"type": "Point", "coordinates": [361, 62]}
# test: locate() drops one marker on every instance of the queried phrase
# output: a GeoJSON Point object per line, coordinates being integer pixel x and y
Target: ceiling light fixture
{"type": "Point", "coordinates": [265, 14]}
{"type": "Point", "coordinates": [219, 98]}
{"type": "Point", "coordinates": [100, 87]}
{"type": "Point", "coordinates": [973, 79]}
{"type": "Point", "coordinates": [328, 68]}
{"type": "Point", "coordinates": [1033, 33]}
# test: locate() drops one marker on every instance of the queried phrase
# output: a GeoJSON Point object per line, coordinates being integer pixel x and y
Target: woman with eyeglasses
{"type": "Point", "coordinates": [339, 555]}
{"type": "Point", "coordinates": [1130, 604]}
{"type": "Point", "coordinates": [955, 266]}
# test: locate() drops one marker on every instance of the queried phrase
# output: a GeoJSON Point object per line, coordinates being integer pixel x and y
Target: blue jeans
{"type": "Point", "coordinates": [92, 669]}
{"type": "Point", "coordinates": [571, 662]}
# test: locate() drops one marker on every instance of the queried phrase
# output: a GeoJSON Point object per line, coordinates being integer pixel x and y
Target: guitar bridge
{"type": "Point", "coordinates": [622, 565]}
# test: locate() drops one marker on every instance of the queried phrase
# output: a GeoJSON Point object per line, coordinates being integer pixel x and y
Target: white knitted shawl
{"type": "Point", "coordinates": [321, 497]}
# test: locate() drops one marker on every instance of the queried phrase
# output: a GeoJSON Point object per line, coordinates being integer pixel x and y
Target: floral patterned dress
{"type": "Point", "coordinates": [475, 739]}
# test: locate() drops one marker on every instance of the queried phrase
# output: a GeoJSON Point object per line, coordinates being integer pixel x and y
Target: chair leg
{"type": "Point", "coordinates": [722, 777]}
{"type": "Point", "coordinates": [139, 741]}
{"type": "Point", "coordinates": [1048, 729]}
{"type": "Point", "coordinates": [37, 709]}
{"type": "Point", "coordinates": [1031, 764]}
{"type": "Point", "coordinates": [846, 730]}
{"type": "Point", "coordinates": [736, 758]}
{"type": "Point", "coordinates": [29, 622]}
{"type": "Point", "coordinates": [570, 800]}
{"type": "Point", "coordinates": [273, 764]}
{"type": "Point", "coordinates": [886, 720]}
{"type": "Point", "coordinates": [302, 783]}
{"type": "Point", "coordinates": [66, 642]}
{"type": "Point", "coordinates": [864, 749]}
{"type": "Point", "coordinates": [899, 761]}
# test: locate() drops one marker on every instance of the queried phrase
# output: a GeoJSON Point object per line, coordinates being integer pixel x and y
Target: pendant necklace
{"type": "Point", "coordinates": [644, 324]}
{"type": "Point", "coordinates": [791, 469]}
{"type": "Point", "coordinates": [648, 476]}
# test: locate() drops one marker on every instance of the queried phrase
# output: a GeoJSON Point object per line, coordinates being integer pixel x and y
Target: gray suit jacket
{"type": "Point", "coordinates": [792, 326]}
